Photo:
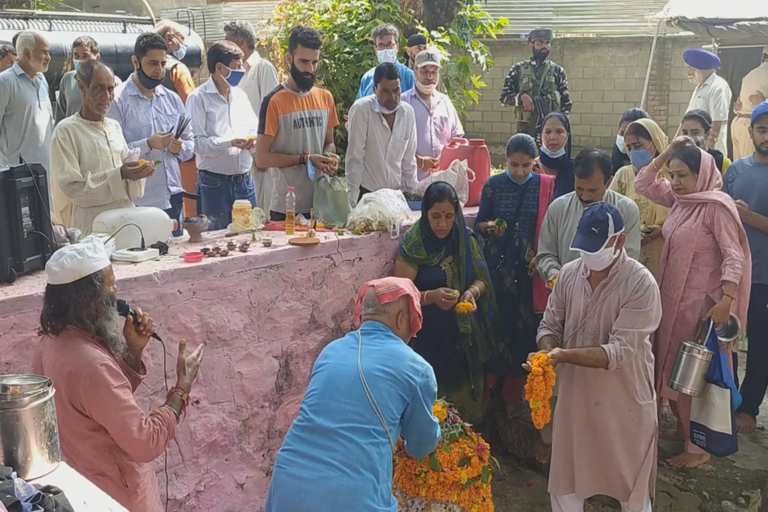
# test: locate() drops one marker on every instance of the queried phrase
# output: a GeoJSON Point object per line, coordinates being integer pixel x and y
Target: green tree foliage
{"type": "Point", "coordinates": [348, 50]}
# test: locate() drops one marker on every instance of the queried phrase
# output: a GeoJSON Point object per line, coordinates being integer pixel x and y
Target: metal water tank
{"type": "Point", "coordinates": [115, 33]}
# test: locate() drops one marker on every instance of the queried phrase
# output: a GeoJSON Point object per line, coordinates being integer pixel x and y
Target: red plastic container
{"type": "Point", "coordinates": [193, 257]}
{"type": "Point", "coordinates": [476, 153]}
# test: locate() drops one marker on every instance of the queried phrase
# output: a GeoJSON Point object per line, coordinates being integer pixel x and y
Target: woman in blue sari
{"type": "Point", "coordinates": [443, 258]}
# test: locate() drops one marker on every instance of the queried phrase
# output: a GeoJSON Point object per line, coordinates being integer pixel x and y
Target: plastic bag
{"type": "Point", "coordinates": [458, 175]}
{"type": "Point", "coordinates": [383, 210]}
{"type": "Point", "coordinates": [330, 200]}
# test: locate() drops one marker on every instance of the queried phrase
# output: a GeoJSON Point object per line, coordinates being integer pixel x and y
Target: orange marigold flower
{"type": "Point", "coordinates": [538, 390]}
{"type": "Point", "coordinates": [464, 308]}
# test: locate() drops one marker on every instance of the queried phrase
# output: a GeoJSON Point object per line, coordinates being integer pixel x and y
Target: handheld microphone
{"type": "Point", "coordinates": [124, 310]}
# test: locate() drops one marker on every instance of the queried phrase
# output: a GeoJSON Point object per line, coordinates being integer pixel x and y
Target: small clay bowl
{"type": "Point", "coordinates": [266, 242]}
{"type": "Point", "coordinates": [231, 246]}
{"type": "Point", "coordinates": [224, 253]}
{"type": "Point", "coordinates": [193, 257]}
{"type": "Point", "coordinates": [205, 250]}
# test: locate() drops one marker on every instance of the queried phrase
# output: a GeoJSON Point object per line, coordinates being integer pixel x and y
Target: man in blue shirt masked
{"type": "Point", "coordinates": [367, 390]}
{"type": "Point", "coordinates": [386, 38]}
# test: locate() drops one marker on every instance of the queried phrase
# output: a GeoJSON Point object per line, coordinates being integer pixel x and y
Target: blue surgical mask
{"type": "Point", "coordinates": [181, 52]}
{"type": "Point", "coordinates": [553, 154]}
{"type": "Point", "coordinates": [640, 158]}
{"type": "Point", "coordinates": [77, 63]}
{"type": "Point", "coordinates": [235, 77]}
{"type": "Point", "coordinates": [525, 180]}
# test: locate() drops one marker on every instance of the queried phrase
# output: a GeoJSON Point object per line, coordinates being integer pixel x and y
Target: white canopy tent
{"type": "Point", "coordinates": [731, 23]}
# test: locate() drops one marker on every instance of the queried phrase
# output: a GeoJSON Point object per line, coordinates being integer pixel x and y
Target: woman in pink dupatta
{"type": "Point", "coordinates": [705, 268]}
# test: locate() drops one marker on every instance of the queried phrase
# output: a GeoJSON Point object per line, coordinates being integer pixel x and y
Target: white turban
{"type": "Point", "coordinates": [76, 261]}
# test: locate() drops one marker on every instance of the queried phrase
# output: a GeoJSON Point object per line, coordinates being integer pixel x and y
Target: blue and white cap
{"type": "Point", "coordinates": [599, 223]}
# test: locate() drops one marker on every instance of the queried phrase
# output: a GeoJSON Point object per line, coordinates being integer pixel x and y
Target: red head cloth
{"type": "Point", "coordinates": [389, 289]}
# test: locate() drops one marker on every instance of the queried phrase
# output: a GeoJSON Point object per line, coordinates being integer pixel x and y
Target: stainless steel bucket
{"type": "Point", "coordinates": [691, 365]}
{"type": "Point", "coordinates": [29, 429]}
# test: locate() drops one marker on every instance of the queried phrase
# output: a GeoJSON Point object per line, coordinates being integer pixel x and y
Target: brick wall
{"type": "Point", "coordinates": [606, 78]}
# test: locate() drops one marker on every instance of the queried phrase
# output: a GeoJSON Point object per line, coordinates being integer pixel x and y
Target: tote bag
{"type": "Point", "coordinates": [713, 415]}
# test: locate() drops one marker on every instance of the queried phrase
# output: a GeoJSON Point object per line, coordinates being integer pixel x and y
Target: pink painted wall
{"type": "Point", "coordinates": [264, 316]}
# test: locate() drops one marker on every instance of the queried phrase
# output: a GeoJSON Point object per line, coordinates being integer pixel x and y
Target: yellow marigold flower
{"type": "Point", "coordinates": [538, 390]}
{"type": "Point", "coordinates": [464, 308]}
{"type": "Point", "coordinates": [440, 412]}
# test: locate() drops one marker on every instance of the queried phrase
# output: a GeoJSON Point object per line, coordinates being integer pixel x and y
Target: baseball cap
{"type": "Point", "coordinates": [416, 40]}
{"type": "Point", "coordinates": [599, 223]}
{"type": "Point", "coordinates": [760, 110]}
{"type": "Point", "coordinates": [429, 57]}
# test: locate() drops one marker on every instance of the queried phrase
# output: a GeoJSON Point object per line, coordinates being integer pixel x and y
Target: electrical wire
{"type": "Point", "coordinates": [143, 245]}
{"type": "Point", "coordinates": [43, 201]}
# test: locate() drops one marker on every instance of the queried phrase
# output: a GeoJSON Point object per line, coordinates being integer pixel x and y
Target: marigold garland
{"type": "Point", "coordinates": [538, 390]}
{"type": "Point", "coordinates": [464, 308]}
{"type": "Point", "coordinates": [458, 472]}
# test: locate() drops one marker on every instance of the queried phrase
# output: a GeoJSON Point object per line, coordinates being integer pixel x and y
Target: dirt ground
{"type": "Point", "coordinates": [732, 484]}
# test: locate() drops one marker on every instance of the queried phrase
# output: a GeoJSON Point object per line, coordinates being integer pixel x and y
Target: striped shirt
{"type": "Point", "coordinates": [216, 121]}
{"type": "Point", "coordinates": [299, 123]}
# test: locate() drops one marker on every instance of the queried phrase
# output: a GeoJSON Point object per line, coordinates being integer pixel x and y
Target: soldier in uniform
{"type": "Point", "coordinates": [537, 86]}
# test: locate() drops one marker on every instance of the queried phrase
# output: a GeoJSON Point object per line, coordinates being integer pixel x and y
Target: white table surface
{"type": "Point", "coordinates": [81, 493]}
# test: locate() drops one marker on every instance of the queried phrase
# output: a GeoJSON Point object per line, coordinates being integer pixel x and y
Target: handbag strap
{"type": "Point", "coordinates": [368, 392]}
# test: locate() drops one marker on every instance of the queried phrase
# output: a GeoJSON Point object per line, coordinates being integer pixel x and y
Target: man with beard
{"type": "Point", "coordinates": [95, 359]}
{"type": "Point", "coordinates": [149, 114]}
{"type": "Point", "coordinates": [536, 79]}
{"type": "Point", "coordinates": [712, 95]}
{"type": "Point", "coordinates": [26, 114]}
{"type": "Point", "coordinates": [382, 139]}
{"type": "Point", "coordinates": [296, 126]}
{"type": "Point", "coordinates": [417, 43]}
{"type": "Point", "coordinates": [437, 121]}
{"type": "Point", "coordinates": [224, 127]}
{"type": "Point", "coordinates": [386, 39]}
{"type": "Point", "coordinates": [747, 182]}
{"type": "Point", "coordinates": [177, 76]}
{"type": "Point", "coordinates": [593, 170]}
{"type": "Point", "coordinates": [92, 168]}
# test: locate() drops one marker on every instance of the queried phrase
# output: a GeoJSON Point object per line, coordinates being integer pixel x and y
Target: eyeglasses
{"type": "Point", "coordinates": [390, 46]}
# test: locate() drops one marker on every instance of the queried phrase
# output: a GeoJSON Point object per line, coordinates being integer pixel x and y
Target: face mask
{"type": "Point", "coordinates": [387, 56]}
{"type": "Point", "coordinates": [553, 154]}
{"type": "Point", "coordinates": [600, 260]}
{"type": "Point", "coordinates": [234, 77]}
{"type": "Point", "coordinates": [147, 81]}
{"type": "Point", "coordinates": [384, 110]}
{"type": "Point", "coordinates": [701, 142]}
{"type": "Point", "coordinates": [426, 89]}
{"type": "Point", "coordinates": [620, 144]}
{"type": "Point", "coordinates": [525, 180]}
{"type": "Point", "coordinates": [77, 63]}
{"type": "Point", "coordinates": [640, 158]}
{"type": "Point", "coordinates": [181, 52]}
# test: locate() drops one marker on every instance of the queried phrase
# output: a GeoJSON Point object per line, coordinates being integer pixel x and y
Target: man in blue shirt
{"type": "Point", "coordinates": [367, 390]}
{"type": "Point", "coordinates": [149, 116]}
{"type": "Point", "coordinates": [386, 38]}
{"type": "Point", "coordinates": [747, 182]}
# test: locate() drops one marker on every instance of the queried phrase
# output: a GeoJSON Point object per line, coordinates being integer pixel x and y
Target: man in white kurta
{"type": "Point", "coordinates": [596, 331]}
{"type": "Point", "coordinates": [92, 169]}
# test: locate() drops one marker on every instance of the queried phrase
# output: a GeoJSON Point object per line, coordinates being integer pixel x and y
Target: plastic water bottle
{"type": "Point", "coordinates": [290, 212]}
